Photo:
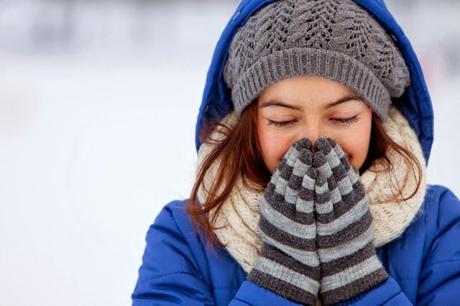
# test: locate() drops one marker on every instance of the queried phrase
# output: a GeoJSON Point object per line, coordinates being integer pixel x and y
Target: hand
{"type": "Point", "coordinates": [288, 264]}
{"type": "Point", "coordinates": [349, 264]}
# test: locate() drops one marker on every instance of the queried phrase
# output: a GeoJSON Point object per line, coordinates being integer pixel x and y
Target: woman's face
{"type": "Point", "coordinates": [312, 107]}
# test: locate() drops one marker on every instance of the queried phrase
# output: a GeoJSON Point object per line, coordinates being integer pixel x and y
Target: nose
{"type": "Point", "coordinates": [312, 133]}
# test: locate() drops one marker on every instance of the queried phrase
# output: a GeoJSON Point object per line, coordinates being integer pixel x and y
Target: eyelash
{"type": "Point", "coordinates": [339, 120]}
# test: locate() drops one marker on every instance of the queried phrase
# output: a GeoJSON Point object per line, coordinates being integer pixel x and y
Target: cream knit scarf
{"type": "Point", "coordinates": [239, 215]}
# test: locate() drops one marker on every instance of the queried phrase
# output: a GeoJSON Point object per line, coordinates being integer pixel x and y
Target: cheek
{"type": "Point", "coordinates": [356, 151]}
{"type": "Point", "coordinates": [356, 145]}
{"type": "Point", "coordinates": [273, 149]}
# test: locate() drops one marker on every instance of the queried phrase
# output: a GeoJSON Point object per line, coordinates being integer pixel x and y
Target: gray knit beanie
{"type": "Point", "coordinates": [334, 39]}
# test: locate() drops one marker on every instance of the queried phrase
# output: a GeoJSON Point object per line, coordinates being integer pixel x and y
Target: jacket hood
{"type": "Point", "coordinates": [415, 103]}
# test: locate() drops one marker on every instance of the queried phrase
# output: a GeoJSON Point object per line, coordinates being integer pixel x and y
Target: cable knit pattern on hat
{"type": "Point", "coordinates": [335, 39]}
{"type": "Point", "coordinates": [239, 215]}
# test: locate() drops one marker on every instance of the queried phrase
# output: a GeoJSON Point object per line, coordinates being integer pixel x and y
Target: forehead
{"type": "Point", "coordinates": [308, 93]}
{"type": "Point", "coordinates": [306, 90]}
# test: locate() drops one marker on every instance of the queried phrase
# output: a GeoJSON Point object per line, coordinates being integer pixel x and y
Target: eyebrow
{"type": "Point", "coordinates": [298, 108]}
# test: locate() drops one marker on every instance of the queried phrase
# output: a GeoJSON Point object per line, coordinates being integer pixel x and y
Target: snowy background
{"type": "Point", "coordinates": [96, 96]}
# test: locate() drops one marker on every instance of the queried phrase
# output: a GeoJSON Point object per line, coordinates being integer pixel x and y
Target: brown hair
{"type": "Point", "coordinates": [240, 148]}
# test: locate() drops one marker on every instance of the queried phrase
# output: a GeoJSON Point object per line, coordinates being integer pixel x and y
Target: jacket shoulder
{"type": "Point", "coordinates": [171, 243]}
{"type": "Point", "coordinates": [172, 214]}
{"type": "Point", "coordinates": [441, 201]}
{"type": "Point", "coordinates": [441, 212]}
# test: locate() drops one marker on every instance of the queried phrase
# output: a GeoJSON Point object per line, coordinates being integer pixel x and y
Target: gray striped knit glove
{"type": "Point", "coordinates": [349, 264]}
{"type": "Point", "coordinates": [288, 264]}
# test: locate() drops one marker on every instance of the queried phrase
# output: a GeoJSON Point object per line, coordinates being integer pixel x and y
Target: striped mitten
{"type": "Point", "coordinates": [288, 264]}
{"type": "Point", "coordinates": [349, 264]}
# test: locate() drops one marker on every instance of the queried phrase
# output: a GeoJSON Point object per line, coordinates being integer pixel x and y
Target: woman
{"type": "Point", "coordinates": [313, 138]}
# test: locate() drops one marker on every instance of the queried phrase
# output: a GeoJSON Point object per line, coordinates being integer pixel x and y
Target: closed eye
{"type": "Point", "coordinates": [336, 120]}
{"type": "Point", "coordinates": [280, 123]}
{"type": "Point", "coordinates": [346, 120]}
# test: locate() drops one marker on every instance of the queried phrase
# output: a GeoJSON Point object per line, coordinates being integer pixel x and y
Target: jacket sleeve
{"type": "Point", "coordinates": [171, 273]}
{"type": "Point", "coordinates": [388, 293]}
{"type": "Point", "coordinates": [440, 277]}
{"type": "Point", "coordinates": [168, 273]}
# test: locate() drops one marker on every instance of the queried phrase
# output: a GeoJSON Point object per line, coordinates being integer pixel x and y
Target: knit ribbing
{"type": "Point", "coordinates": [335, 66]}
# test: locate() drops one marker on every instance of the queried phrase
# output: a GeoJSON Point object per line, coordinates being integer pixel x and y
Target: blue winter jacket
{"type": "Point", "coordinates": [423, 263]}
